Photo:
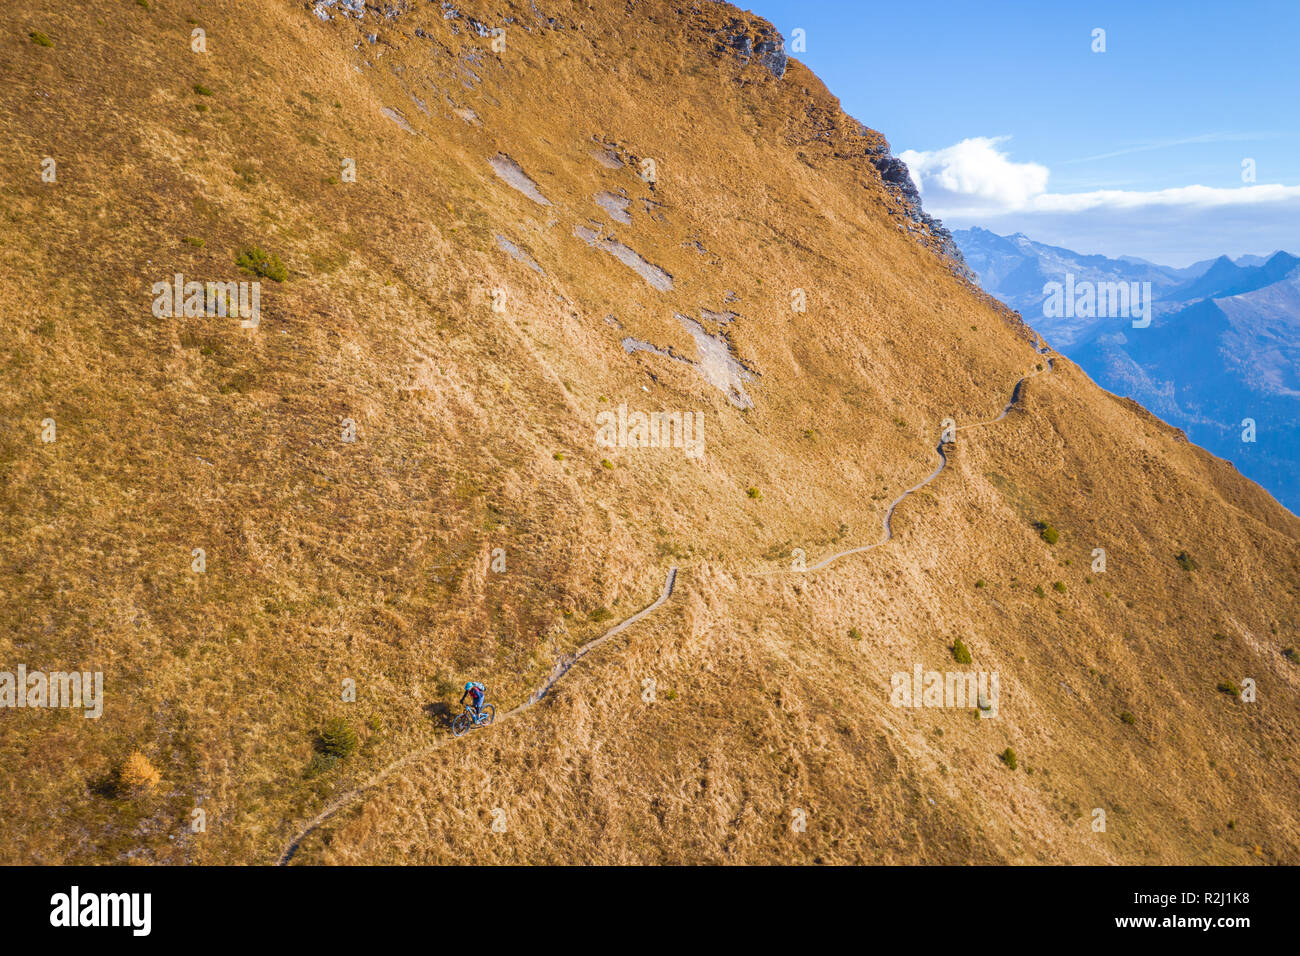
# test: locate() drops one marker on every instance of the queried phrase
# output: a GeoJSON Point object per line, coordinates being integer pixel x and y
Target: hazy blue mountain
{"type": "Point", "coordinates": [1255, 260]}
{"type": "Point", "coordinates": [1223, 345]}
{"type": "Point", "coordinates": [1015, 269]}
{"type": "Point", "coordinates": [1225, 277]}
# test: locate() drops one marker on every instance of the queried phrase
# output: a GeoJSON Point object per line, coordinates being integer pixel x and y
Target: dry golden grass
{"type": "Point", "coordinates": [369, 562]}
{"type": "Point", "coordinates": [138, 775]}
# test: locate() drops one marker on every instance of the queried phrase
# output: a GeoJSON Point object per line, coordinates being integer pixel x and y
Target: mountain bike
{"type": "Point", "coordinates": [466, 721]}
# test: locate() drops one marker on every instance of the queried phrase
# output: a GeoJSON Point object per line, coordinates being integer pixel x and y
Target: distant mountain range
{"type": "Point", "coordinates": [1222, 345]}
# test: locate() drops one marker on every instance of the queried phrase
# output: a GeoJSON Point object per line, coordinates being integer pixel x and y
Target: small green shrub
{"type": "Point", "coordinates": [1048, 533]}
{"type": "Point", "coordinates": [1058, 586]}
{"type": "Point", "coordinates": [960, 652]}
{"type": "Point", "coordinates": [753, 493]}
{"type": "Point", "coordinates": [337, 739]}
{"type": "Point", "coordinates": [40, 39]}
{"type": "Point", "coordinates": [248, 176]}
{"type": "Point", "coordinates": [320, 763]}
{"type": "Point", "coordinates": [558, 456]}
{"type": "Point", "coordinates": [606, 463]}
{"type": "Point", "coordinates": [191, 241]}
{"type": "Point", "coordinates": [241, 381]}
{"type": "Point", "coordinates": [855, 634]}
{"type": "Point", "coordinates": [600, 614]}
{"type": "Point", "coordinates": [979, 583]}
{"type": "Point", "coordinates": [1229, 688]}
{"type": "Point", "coordinates": [1008, 757]}
{"type": "Point", "coordinates": [1128, 718]}
{"type": "Point", "coordinates": [261, 263]}
{"type": "Point", "coordinates": [202, 90]}
{"type": "Point", "coordinates": [1038, 589]}
{"type": "Point", "coordinates": [1185, 561]}
{"type": "Point", "coordinates": [1291, 655]}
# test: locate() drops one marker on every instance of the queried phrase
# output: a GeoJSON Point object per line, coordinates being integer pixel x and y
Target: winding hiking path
{"type": "Point", "coordinates": [887, 531]}
{"type": "Point", "coordinates": [563, 666]}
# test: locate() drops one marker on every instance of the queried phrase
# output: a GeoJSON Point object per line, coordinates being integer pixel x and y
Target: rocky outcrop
{"type": "Point", "coordinates": [756, 42]}
{"type": "Point", "coordinates": [355, 8]}
{"type": "Point", "coordinates": [898, 180]}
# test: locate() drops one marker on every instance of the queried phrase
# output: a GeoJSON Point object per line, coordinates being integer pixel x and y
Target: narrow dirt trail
{"type": "Point", "coordinates": [352, 796]}
{"type": "Point", "coordinates": [887, 530]}
{"type": "Point", "coordinates": [563, 666]}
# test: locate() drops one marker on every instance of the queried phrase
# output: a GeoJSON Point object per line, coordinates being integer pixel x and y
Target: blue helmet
{"type": "Point", "coordinates": [469, 685]}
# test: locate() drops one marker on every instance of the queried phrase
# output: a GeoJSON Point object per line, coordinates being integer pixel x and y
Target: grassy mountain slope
{"type": "Point", "coordinates": [370, 561]}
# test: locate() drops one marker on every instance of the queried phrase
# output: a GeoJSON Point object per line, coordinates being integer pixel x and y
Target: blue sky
{"type": "Point", "coordinates": [1010, 120]}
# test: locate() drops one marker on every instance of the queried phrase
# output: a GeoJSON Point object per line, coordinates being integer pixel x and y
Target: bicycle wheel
{"type": "Point", "coordinates": [460, 724]}
{"type": "Point", "coordinates": [487, 714]}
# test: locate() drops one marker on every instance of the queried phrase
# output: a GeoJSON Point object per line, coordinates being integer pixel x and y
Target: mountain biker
{"type": "Point", "coordinates": [476, 693]}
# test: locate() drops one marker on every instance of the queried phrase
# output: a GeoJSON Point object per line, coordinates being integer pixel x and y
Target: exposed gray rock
{"type": "Point", "coordinates": [631, 345]}
{"type": "Point", "coordinates": [755, 42]}
{"type": "Point", "coordinates": [718, 365]}
{"type": "Point", "coordinates": [616, 205]}
{"type": "Point", "coordinates": [894, 174]}
{"type": "Point", "coordinates": [655, 276]}
{"type": "Point", "coordinates": [514, 176]}
{"type": "Point", "coordinates": [355, 8]}
{"type": "Point", "coordinates": [397, 117]}
{"type": "Point", "coordinates": [551, 22]}
{"type": "Point", "coordinates": [518, 254]}
{"type": "Point", "coordinates": [771, 55]}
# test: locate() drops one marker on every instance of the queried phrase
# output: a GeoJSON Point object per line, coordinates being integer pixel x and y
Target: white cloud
{"type": "Point", "coordinates": [1203, 196]}
{"type": "Point", "coordinates": [975, 178]}
{"type": "Point", "coordinates": [975, 169]}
